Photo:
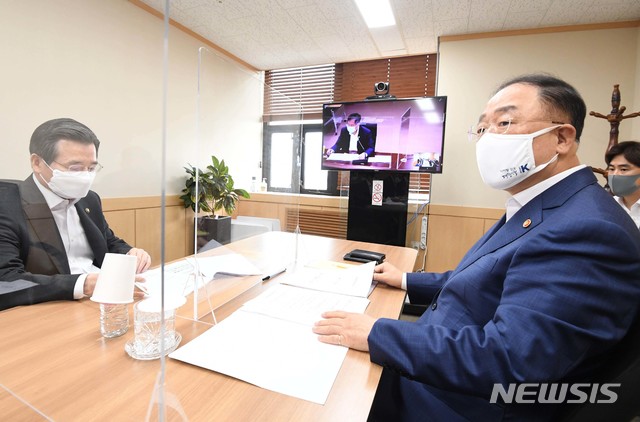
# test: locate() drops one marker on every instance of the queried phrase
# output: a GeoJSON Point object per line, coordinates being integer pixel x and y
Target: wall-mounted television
{"type": "Point", "coordinates": [405, 134]}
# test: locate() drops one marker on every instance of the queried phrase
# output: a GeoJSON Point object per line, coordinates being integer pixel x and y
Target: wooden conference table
{"type": "Point", "coordinates": [54, 360]}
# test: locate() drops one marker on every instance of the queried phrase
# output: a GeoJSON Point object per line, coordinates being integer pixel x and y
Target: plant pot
{"type": "Point", "coordinates": [211, 228]}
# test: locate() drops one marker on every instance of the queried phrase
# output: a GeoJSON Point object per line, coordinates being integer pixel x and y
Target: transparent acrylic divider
{"type": "Point", "coordinates": [223, 272]}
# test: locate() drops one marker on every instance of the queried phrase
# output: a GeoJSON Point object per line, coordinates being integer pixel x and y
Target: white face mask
{"type": "Point", "coordinates": [506, 160]}
{"type": "Point", "coordinates": [71, 184]}
{"type": "Point", "coordinates": [352, 129]}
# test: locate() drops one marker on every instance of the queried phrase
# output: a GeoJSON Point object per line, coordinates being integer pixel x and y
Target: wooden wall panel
{"type": "Point", "coordinates": [258, 209]}
{"type": "Point", "coordinates": [488, 223]}
{"type": "Point", "coordinates": [449, 238]}
{"type": "Point", "coordinates": [148, 233]}
{"type": "Point", "coordinates": [452, 229]}
{"type": "Point", "coordinates": [123, 224]}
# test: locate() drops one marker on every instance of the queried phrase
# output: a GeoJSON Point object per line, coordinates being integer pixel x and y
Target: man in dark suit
{"type": "Point", "coordinates": [541, 298]}
{"type": "Point", "coordinates": [53, 234]}
{"type": "Point", "coordinates": [354, 138]}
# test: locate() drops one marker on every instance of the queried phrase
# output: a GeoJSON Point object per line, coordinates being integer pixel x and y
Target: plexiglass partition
{"type": "Point", "coordinates": [235, 257]}
{"type": "Point", "coordinates": [192, 104]}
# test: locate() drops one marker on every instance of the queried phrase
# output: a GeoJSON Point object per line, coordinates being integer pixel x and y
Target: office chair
{"type": "Point", "coordinates": [623, 367]}
{"type": "Point", "coordinates": [373, 127]}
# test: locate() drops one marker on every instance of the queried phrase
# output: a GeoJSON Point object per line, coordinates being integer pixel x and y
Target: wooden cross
{"type": "Point", "coordinates": [614, 118]}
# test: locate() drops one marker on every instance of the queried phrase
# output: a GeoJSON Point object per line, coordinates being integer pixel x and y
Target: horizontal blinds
{"type": "Point", "coordinates": [290, 93]}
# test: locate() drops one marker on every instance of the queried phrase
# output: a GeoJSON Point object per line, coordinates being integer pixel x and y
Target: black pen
{"type": "Point", "coordinates": [267, 277]}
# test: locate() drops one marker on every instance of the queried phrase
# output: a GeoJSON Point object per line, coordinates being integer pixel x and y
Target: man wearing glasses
{"type": "Point", "coordinates": [540, 300]}
{"type": "Point", "coordinates": [53, 234]}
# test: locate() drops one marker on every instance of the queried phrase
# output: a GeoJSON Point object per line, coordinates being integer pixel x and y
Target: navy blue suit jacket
{"type": "Point", "coordinates": [31, 248]}
{"type": "Point", "coordinates": [542, 298]}
{"type": "Point", "coordinates": [366, 143]}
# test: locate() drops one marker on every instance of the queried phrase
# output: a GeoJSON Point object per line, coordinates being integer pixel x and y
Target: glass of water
{"type": "Point", "coordinates": [150, 339]}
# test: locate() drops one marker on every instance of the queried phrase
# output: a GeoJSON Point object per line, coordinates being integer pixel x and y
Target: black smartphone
{"type": "Point", "coordinates": [361, 255]}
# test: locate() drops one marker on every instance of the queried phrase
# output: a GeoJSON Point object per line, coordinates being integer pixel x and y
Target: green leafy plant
{"type": "Point", "coordinates": [215, 188]}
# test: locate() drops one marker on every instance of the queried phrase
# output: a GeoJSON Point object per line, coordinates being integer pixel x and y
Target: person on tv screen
{"type": "Point", "coordinates": [623, 163]}
{"type": "Point", "coordinates": [354, 139]}
{"type": "Point", "coordinates": [543, 298]}
{"type": "Point", "coordinates": [53, 233]}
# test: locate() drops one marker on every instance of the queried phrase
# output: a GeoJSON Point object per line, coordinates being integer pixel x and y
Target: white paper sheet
{"type": "Point", "coordinates": [178, 279]}
{"type": "Point", "coordinates": [354, 281]}
{"type": "Point", "coordinates": [274, 354]}
{"type": "Point", "coordinates": [268, 342]}
{"type": "Point", "coordinates": [342, 156]}
{"type": "Point", "coordinates": [233, 264]}
{"type": "Point", "coordinates": [384, 159]}
{"type": "Point", "coordinates": [179, 275]}
{"type": "Point", "coordinates": [302, 305]}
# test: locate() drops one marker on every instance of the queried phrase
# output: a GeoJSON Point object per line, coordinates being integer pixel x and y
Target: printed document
{"type": "Point", "coordinates": [268, 342]}
{"type": "Point", "coordinates": [179, 276]}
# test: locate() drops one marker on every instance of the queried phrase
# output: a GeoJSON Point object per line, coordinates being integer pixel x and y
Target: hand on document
{"type": "Point", "coordinates": [345, 329]}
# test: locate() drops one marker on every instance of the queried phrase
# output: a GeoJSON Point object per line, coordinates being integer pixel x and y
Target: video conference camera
{"type": "Point", "coordinates": [381, 88]}
{"type": "Point", "coordinates": [381, 91]}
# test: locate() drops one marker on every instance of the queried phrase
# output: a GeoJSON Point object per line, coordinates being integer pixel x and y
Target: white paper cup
{"type": "Point", "coordinates": [116, 279]}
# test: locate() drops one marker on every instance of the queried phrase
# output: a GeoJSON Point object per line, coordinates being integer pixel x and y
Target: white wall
{"type": "Point", "coordinates": [470, 71]}
{"type": "Point", "coordinates": [101, 62]}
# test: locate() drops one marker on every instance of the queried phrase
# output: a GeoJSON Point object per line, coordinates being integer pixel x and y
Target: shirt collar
{"type": "Point", "coordinates": [520, 199]}
{"type": "Point", "coordinates": [621, 202]}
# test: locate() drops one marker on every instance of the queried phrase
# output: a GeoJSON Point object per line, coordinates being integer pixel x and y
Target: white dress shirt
{"type": "Point", "coordinates": [353, 141]}
{"type": "Point", "coordinates": [634, 212]}
{"type": "Point", "coordinates": [75, 241]}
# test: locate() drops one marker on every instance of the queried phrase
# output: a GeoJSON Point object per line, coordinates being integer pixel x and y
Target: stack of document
{"type": "Point", "coordinates": [268, 342]}
{"type": "Point", "coordinates": [179, 276]}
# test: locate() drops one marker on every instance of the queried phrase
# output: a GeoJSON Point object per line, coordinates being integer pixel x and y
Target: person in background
{"type": "Point", "coordinates": [354, 139]}
{"type": "Point", "coordinates": [53, 234]}
{"type": "Point", "coordinates": [623, 165]}
{"type": "Point", "coordinates": [541, 298]}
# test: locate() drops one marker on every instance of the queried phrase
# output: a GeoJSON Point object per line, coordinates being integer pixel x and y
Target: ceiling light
{"type": "Point", "coordinates": [376, 13]}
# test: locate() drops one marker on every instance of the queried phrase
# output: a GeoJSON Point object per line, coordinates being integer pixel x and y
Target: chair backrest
{"type": "Point", "coordinates": [373, 127]}
{"type": "Point", "coordinates": [622, 367]}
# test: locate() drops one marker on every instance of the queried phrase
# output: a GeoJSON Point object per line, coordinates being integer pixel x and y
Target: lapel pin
{"type": "Point", "coordinates": [87, 210]}
{"type": "Point", "coordinates": [526, 223]}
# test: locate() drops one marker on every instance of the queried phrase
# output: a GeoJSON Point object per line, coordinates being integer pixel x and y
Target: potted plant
{"type": "Point", "coordinates": [215, 192]}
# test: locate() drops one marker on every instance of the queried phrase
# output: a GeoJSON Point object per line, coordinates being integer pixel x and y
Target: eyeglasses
{"type": "Point", "coordinates": [93, 168]}
{"type": "Point", "coordinates": [476, 131]}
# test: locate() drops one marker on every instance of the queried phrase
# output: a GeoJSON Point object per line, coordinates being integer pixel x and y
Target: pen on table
{"type": "Point", "coordinates": [142, 288]}
{"type": "Point", "coordinates": [267, 277]}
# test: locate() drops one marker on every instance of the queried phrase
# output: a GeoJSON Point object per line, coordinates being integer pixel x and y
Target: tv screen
{"type": "Point", "coordinates": [405, 134]}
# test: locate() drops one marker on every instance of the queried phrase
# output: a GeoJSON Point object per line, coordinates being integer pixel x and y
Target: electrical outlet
{"type": "Point", "coordinates": [423, 233]}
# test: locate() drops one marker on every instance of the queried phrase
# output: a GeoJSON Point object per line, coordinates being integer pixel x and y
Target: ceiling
{"type": "Point", "coordinates": [276, 34]}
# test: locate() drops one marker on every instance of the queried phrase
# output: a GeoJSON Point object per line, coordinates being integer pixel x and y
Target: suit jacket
{"type": "Point", "coordinates": [31, 247]}
{"type": "Point", "coordinates": [366, 143]}
{"type": "Point", "coordinates": [541, 298]}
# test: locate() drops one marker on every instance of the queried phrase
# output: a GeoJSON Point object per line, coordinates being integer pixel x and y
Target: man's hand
{"type": "Point", "coordinates": [144, 259]}
{"type": "Point", "coordinates": [388, 274]}
{"type": "Point", "coordinates": [90, 284]}
{"type": "Point", "coordinates": [345, 329]}
{"type": "Point", "coordinates": [329, 152]}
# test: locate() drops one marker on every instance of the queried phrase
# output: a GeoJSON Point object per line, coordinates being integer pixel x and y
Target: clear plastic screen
{"type": "Point", "coordinates": [158, 101]}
